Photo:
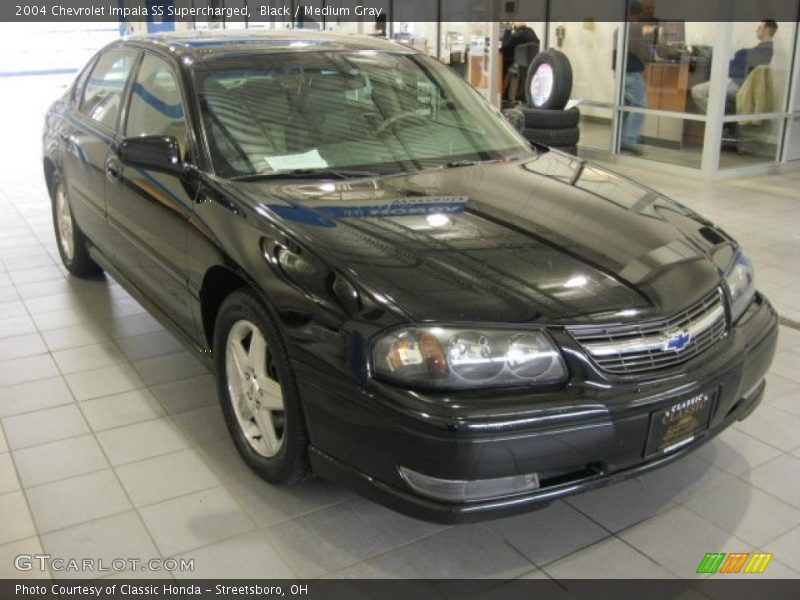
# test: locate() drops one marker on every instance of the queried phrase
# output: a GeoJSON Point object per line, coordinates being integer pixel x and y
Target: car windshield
{"type": "Point", "coordinates": [340, 112]}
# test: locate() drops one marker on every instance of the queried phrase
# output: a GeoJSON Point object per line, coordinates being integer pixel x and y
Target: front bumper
{"type": "Point", "coordinates": [591, 433]}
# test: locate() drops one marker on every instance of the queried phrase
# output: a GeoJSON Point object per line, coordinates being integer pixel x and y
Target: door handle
{"type": "Point", "coordinates": [113, 170]}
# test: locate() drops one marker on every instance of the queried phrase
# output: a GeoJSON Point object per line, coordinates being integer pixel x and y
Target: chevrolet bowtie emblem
{"type": "Point", "coordinates": [677, 340]}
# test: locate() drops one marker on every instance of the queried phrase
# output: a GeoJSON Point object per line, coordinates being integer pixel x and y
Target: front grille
{"type": "Point", "coordinates": [653, 345]}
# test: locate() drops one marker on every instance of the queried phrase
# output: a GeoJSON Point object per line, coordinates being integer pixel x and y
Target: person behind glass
{"type": "Point", "coordinates": [516, 35]}
{"type": "Point", "coordinates": [744, 61]}
{"type": "Point", "coordinates": [642, 49]}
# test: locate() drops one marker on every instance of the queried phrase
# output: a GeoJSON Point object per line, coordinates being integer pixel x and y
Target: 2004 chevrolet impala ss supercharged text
{"type": "Point", "coordinates": [395, 289]}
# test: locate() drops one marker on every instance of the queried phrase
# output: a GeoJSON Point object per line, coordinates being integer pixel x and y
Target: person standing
{"type": "Point", "coordinates": [642, 44]}
{"type": "Point", "coordinates": [516, 35]}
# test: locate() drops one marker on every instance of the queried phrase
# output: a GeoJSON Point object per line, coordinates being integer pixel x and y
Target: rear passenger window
{"type": "Point", "coordinates": [102, 96]}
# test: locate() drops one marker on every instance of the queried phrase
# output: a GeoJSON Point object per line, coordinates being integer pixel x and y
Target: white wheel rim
{"type": "Point", "coordinates": [256, 396]}
{"type": "Point", "coordinates": [64, 223]}
{"type": "Point", "coordinates": [542, 84]}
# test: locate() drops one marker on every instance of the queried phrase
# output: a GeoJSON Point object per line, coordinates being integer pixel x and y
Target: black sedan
{"type": "Point", "coordinates": [396, 291]}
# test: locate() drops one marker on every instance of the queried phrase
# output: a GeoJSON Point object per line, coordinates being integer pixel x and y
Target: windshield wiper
{"type": "Point", "coordinates": [308, 174]}
{"type": "Point", "coordinates": [468, 163]}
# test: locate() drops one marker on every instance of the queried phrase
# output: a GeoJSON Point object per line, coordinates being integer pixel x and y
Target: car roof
{"type": "Point", "coordinates": [201, 45]}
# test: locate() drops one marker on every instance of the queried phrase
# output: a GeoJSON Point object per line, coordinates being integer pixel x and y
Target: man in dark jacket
{"type": "Point", "coordinates": [744, 61]}
{"type": "Point", "coordinates": [516, 35]}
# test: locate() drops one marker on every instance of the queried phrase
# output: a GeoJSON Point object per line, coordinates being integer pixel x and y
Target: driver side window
{"type": "Point", "coordinates": [156, 107]}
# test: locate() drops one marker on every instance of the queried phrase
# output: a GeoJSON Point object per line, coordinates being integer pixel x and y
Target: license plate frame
{"type": "Point", "coordinates": [680, 423]}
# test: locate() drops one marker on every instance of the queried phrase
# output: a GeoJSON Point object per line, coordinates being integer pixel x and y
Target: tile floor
{"type": "Point", "coordinates": [105, 453]}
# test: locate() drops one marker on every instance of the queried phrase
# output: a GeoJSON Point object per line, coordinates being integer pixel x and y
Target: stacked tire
{"type": "Point", "coordinates": [547, 89]}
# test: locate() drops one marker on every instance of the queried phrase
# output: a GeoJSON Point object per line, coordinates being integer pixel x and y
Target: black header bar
{"type": "Point", "coordinates": [331, 11]}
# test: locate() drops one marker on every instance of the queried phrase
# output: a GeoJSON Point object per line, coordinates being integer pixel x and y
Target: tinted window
{"type": "Point", "coordinates": [156, 107]}
{"type": "Point", "coordinates": [103, 94]}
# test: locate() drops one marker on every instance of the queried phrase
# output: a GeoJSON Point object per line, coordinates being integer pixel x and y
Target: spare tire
{"type": "Point", "coordinates": [536, 118]}
{"type": "Point", "coordinates": [553, 137]}
{"type": "Point", "coordinates": [549, 80]}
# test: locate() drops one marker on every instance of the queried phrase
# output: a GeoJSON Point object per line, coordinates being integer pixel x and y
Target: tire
{"type": "Point", "coordinates": [551, 119]}
{"type": "Point", "coordinates": [71, 242]}
{"type": "Point", "coordinates": [280, 457]}
{"type": "Point", "coordinates": [548, 83]}
{"type": "Point", "coordinates": [553, 137]}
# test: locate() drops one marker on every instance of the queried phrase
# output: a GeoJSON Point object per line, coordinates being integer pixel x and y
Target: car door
{"type": "Point", "coordinates": [149, 211]}
{"type": "Point", "coordinates": [88, 135]}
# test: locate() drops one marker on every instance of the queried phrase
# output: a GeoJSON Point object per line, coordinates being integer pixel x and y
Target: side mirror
{"type": "Point", "coordinates": [152, 152]}
{"type": "Point", "coordinates": [516, 117]}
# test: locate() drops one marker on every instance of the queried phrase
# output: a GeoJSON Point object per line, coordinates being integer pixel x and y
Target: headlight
{"type": "Point", "coordinates": [741, 285]}
{"type": "Point", "coordinates": [452, 358]}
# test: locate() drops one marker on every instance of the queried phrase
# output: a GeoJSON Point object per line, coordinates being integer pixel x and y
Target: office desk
{"type": "Point", "coordinates": [667, 87]}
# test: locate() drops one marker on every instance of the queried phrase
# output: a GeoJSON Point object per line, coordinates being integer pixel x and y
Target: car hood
{"type": "Point", "coordinates": [542, 239]}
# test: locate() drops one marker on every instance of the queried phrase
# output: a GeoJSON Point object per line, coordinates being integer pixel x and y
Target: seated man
{"type": "Point", "coordinates": [744, 61]}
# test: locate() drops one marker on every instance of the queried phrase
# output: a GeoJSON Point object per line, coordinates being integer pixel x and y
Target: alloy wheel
{"type": "Point", "coordinates": [64, 224]}
{"type": "Point", "coordinates": [253, 388]}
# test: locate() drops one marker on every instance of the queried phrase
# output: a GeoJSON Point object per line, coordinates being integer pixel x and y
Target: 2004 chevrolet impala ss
{"type": "Point", "coordinates": [396, 291]}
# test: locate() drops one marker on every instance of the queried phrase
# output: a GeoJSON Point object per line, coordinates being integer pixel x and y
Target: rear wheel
{"type": "Point", "coordinates": [72, 245]}
{"type": "Point", "coordinates": [258, 391]}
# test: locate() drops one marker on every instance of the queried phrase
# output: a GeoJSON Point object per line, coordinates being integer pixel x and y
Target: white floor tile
{"type": "Point", "coordinates": [15, 518]}
{"type": "Point", "coordinates": [610, 558]}
{"type": "Point", "coordinates": [35, 395]}
{"type": "Point", "coordinates": [86, 358]}
{"type": "Point", "coordinates": [59, 460]}
{"type": "Point", "coordinates": [121, 409]}
{"type": "Point", "coordinates": [9, 482]}
{"type": "Point", "coordinates": [679, 539]}
{"type": "Point", "coordinates": [107, 539]}
{"type": "Point", "coordinates": [778, 477]}
{"type": "Point", "coordinates": [41, 427]}
{"type": "Point", "coordinates": [166, 477]}
{"type": "Point", "coordinates": [30, 568]}
{"type": "Point", "coordinates": [104, 382]}
{"type": "Point", "coordinates": [77, 500]}
{"type": "Point", "coordinates": [195, 520]}
{"type": "Point", "coordinates": [465, 552]}
{"type": "Point", "coordinates": [746, 512]}
{"type": "Point", "coordinates": [548, 534]}
{"type": "Point", "coordinates": [343, 535]}
{"type": "Point", "coordinates": [142, 440]}
{"type": "Point", "coordinates": [248, 556]}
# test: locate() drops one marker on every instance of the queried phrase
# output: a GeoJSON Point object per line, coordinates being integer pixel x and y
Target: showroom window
{"type": "Point", "coordinates": [156, 107]}
{"type": "Point", "coordinates": [756, 93]}
{"type": "Point", "coordinates": [667, 70]}
{"type": "Point", "coordinates": [590, 46]}
{"type": "Point", "coordinates": [103, 94]}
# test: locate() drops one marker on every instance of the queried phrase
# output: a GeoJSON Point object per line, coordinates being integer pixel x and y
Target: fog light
{"type": "Point", "coordinates": [458, 490]}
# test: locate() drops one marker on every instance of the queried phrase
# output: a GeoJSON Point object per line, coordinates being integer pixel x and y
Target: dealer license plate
{"type": "Point", "coordinates": [679, 424]}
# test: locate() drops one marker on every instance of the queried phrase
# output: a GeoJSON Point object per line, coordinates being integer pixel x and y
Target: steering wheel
{"type": "Point", "coordinates": [403, 116]}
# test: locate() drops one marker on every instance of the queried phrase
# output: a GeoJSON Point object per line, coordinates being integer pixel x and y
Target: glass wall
{"type": "Point", "coordinates": [758, 84]}
{"type": "Point", "coordinates": [643, 85]}
{"type": "Point", "coordinates": [465, 47]}
{"type": "Point", "coordinates": [591, 48]}
{"type": "Point", "coordinates": [420, 35]}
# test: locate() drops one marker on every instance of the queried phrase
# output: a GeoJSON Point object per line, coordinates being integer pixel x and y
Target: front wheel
{"type": "Point", "coordinates": [258, 391]}
{"type": "Point", "coordinates": [72, 245]}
